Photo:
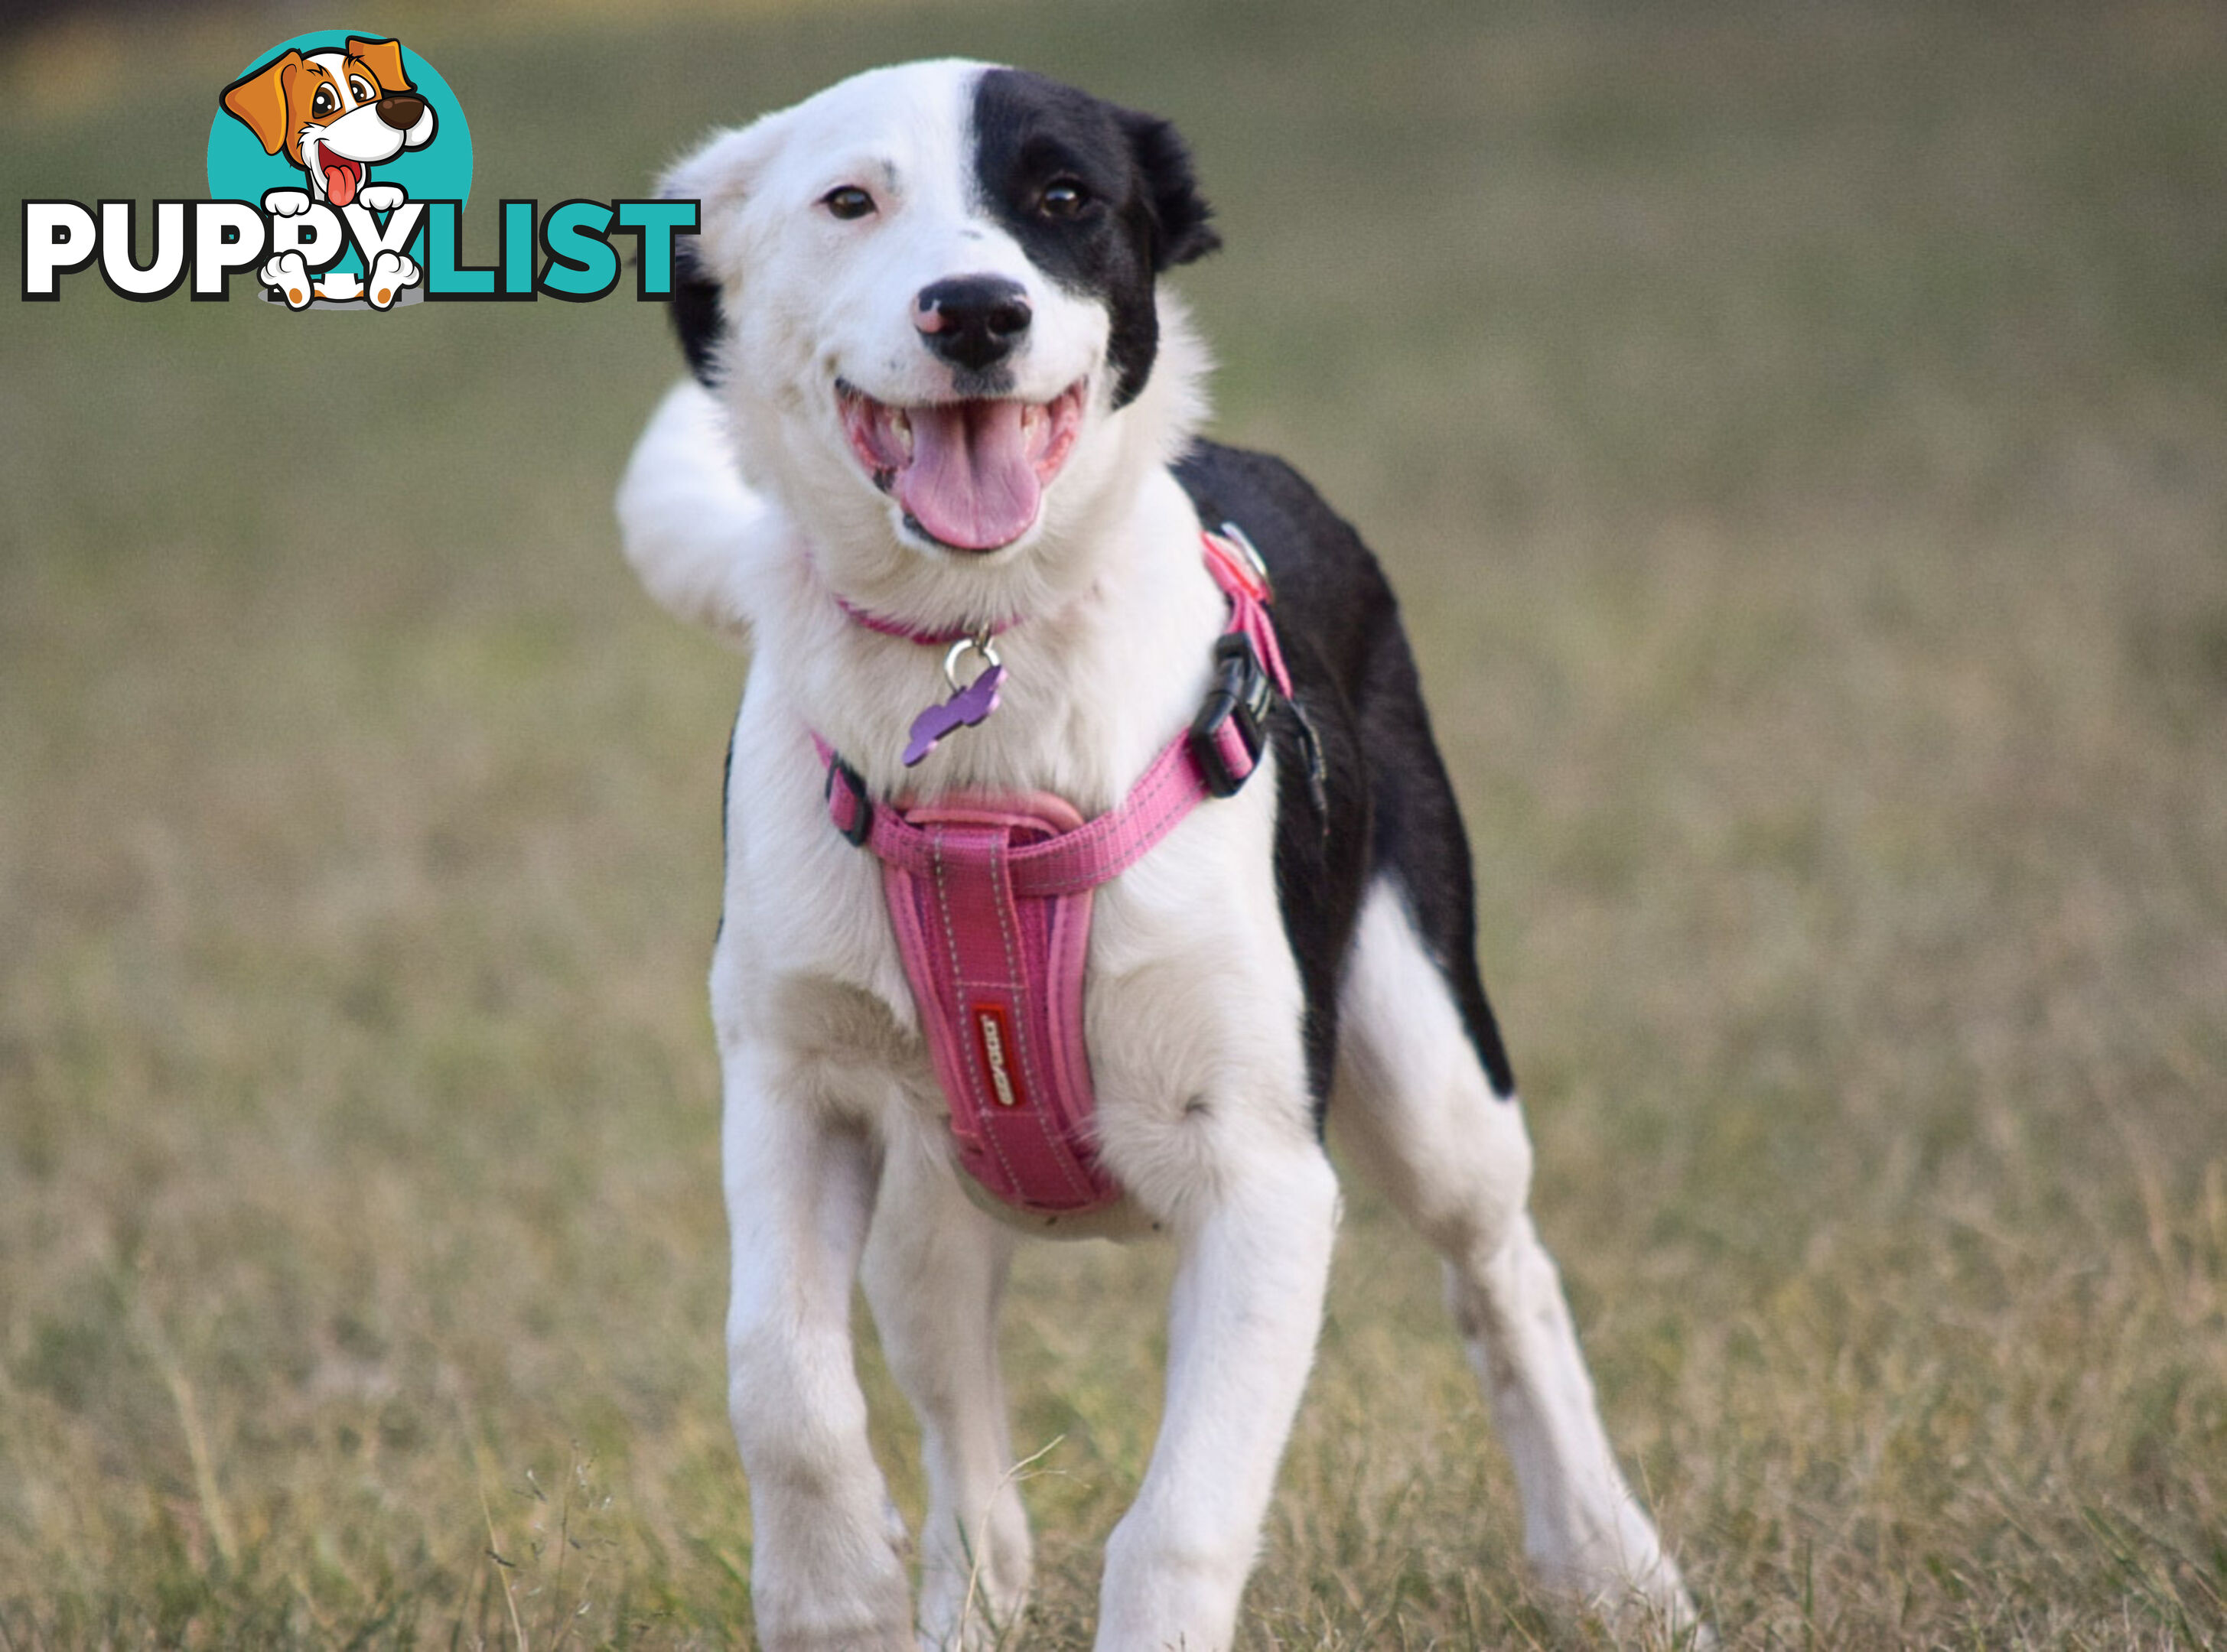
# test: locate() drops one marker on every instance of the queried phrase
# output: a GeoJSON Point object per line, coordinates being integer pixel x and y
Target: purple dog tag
{"type": "Point", "coordinates": [962, 710]}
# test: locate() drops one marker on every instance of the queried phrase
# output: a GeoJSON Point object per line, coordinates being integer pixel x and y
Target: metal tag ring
{"type": "Point", "coordinates": [1253, 559]}
{"type": "Point", "coordinates": [982, 644]}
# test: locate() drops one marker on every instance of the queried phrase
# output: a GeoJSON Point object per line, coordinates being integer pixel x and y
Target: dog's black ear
{"type": "Point", "coordinates": [1179, 212]}
{"type": "Point", "coordinates": [697, 319]}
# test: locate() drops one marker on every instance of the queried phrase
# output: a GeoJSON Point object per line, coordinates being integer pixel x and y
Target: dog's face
{"type": "Point", "coordinates": [926, 295]}
{"type": "Point", "coordinates": [334, 113]}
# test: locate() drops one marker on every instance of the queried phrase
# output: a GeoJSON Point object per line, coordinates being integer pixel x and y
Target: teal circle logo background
{"type": "Point", "coordinates": [239, 170]}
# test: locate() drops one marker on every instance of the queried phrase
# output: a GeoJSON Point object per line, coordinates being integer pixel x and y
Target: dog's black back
{"type": "Point", "coordinates": [1362, 792]}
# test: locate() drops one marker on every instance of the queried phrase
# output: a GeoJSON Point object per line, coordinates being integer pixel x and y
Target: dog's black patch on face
{"type": "Point", "coordinates": [1135, 210]}
{"type": "Point", "coordinates": [697, 316]}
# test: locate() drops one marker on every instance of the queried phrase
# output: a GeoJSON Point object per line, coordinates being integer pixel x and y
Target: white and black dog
{"type": "Point", "coordinates": [937, 385]}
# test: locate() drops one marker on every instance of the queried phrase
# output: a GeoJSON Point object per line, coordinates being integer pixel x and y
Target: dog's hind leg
{"type": "Point", "coordinates": [934, 1273]}
{"type": "Point", "coordinates": [1412, 1109]}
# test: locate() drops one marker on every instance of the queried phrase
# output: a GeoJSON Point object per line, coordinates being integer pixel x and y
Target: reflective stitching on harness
{"type": "Point", "coordinates": [951, 939]}
{"type": "Point", "coordinates": [1042, 1097]}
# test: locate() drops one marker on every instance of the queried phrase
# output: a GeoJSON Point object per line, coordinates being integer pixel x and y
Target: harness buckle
{"type": "Point", "coordinates": [860, 826]}
{"type": "Point", "coordinates": [1249, 554]}
{"type": "Point", "coordinates": [1234, 713]}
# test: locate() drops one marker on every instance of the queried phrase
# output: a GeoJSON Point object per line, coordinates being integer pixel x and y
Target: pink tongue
{"type": "Point", "coordinates": [339, 184]}
{"type": "Point", "coordinates": [970, 482]}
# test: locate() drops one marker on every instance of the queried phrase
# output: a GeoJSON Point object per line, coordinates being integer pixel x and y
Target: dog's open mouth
{"type": "Point", "coordinates": [970, 474]}
{"type": "Point", "coordinates": [343, 177]}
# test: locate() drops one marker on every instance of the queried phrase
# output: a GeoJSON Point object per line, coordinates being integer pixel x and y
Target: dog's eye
{"type": "Point", "coordinates": [365, 91]}
{"type": "Point", "coordinates": [848, 201]}
{"type": "Point", "coordinates": [1062, 199]}
{"type": "Point", "coordinates": [325, 103]}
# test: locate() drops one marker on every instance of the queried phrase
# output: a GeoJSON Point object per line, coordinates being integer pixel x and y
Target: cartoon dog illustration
{"type": "Point", "coordinates": [334, 113]}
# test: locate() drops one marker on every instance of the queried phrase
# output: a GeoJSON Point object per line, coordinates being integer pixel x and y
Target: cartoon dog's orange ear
{"type": "Point", "coordinates": [385, 59]}
{"type": "Point", "coordinates": [258, 99]}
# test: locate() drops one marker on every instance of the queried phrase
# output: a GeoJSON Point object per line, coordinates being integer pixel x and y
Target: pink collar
{"type": "Point", "coordinates": [1230, 556]}
{"type": "Point", "coordinates": [907, 633]}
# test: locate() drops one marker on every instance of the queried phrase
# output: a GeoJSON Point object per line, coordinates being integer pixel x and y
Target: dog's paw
{"type": "Point", "coordinates": [389, 273]}
{"type": "Point", "coordinates": [381, 197]}
{"type": "Point", "coordinates": [285, 203]}
{"type": "Point", "coordinates": [288, 276]}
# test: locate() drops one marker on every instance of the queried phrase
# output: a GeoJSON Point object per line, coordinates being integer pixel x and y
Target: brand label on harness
{"type": "Point", "coordinates": [991, 1037]}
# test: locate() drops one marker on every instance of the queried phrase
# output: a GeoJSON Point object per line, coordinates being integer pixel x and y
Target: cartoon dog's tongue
{"type": "Point", "coordinates": [341, 177]}
{"type": "Point", "coordinates": [971, 482]}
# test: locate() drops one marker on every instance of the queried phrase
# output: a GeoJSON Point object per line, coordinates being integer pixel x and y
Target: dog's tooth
{"type": "Point", "coordinates": [901, 424]}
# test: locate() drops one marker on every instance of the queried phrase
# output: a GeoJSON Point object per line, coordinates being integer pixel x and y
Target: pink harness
{"type": "Point", "coordinates": [989, 898]}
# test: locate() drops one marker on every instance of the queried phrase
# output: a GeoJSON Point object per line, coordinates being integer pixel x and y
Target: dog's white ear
{"type": "Point", "coordinates": [718, 177]}
{"type": "Point", "coordinates": [258, 99]}
{"type": "Point", "coordinates": [690, 527]}
{"type": "Point", "coordinates": [720, 171]}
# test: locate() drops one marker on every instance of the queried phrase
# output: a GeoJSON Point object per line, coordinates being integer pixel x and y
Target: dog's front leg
{"type": "Point", "coordinates": [1247, 1304]}
{"type": "Point", "coordinates": [934, 1273]}
{"type": "Point", "coordinates": [826, 1571]}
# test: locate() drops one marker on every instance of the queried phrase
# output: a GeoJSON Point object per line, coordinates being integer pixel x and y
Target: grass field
{"type": "Point", "coordinates": [1798, 433]}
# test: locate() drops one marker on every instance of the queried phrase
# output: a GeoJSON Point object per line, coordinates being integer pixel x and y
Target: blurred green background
{"type": "Point", "coordinates": [1797, 433]}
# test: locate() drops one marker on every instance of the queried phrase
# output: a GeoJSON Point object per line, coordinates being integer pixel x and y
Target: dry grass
{"type": "Point", "coordinates": [1798, 435]}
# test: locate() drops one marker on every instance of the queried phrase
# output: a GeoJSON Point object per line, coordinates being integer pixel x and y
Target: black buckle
{"type": "Point", "coordinates": [862, 807]}
{"type": "Point", "coordinates": [1243, 690]}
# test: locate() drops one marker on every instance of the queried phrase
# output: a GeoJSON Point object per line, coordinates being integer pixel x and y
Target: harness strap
{"type": "Point", "coordinates": [998, 982]}
{"type": "Point", "coordinates": [1075, 861]}
{"type": "Point", "coordinates": [990, 900]}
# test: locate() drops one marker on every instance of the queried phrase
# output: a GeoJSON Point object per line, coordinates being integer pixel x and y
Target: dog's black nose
{"type": "Point", "coordinates": [971, 322]}
{"type": "Point", "coordinates": [401, 110]}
